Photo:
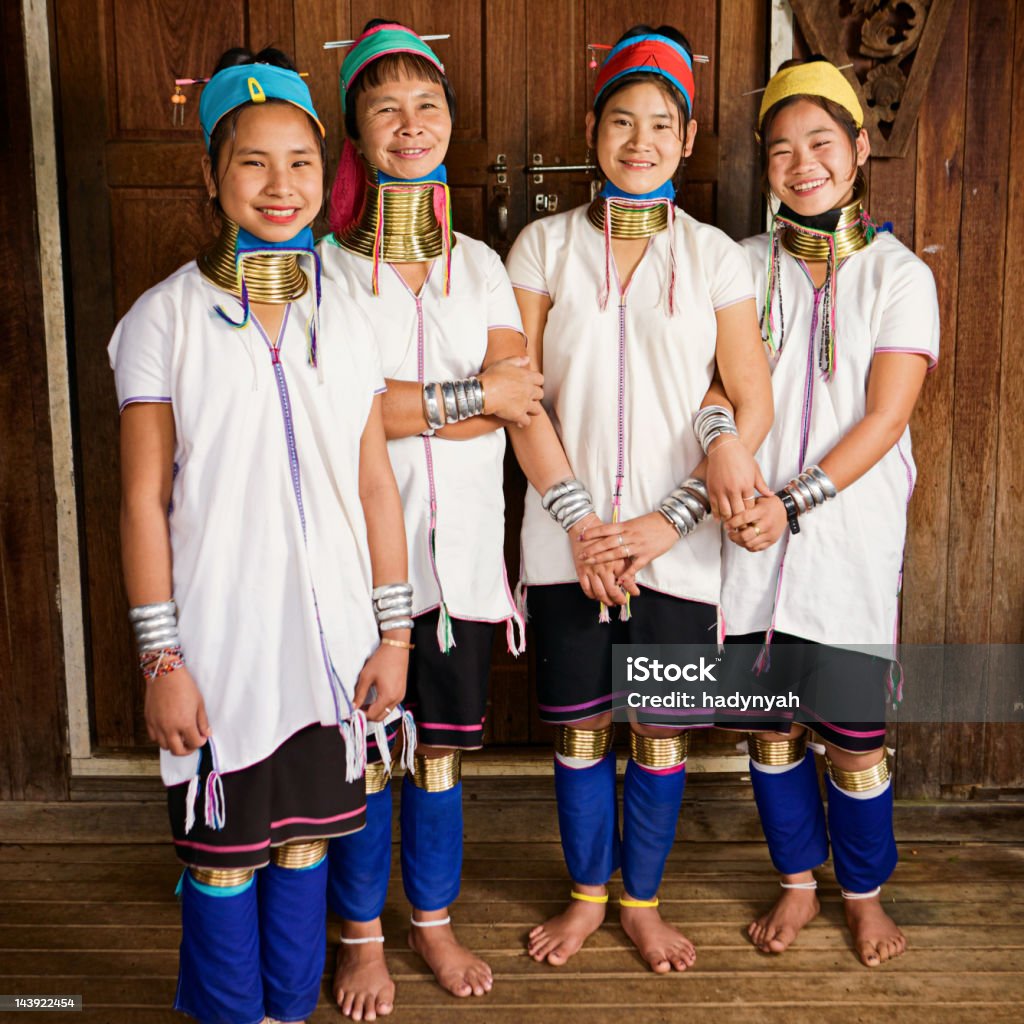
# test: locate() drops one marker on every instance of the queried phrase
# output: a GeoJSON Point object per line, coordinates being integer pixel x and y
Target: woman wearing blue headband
{"type": "Point", "coordinates": [259, 512]}
{"type": "Point", "coordinates": [851, 325]}
{"type": "Point", "coordinates": [454, 358]}
{"type": "Point", "coordinates": [629, 305]}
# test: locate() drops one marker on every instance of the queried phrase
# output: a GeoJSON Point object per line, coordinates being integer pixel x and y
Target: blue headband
{"type": "Point", "coordinates": [251, 83]}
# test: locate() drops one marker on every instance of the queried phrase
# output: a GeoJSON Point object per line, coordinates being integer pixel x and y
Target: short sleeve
{"type": "Point", "coordinates": [525, 263]}
{"type": "Point", "coordinates": [730, 280]}
{"type": "Point", "coordinates": [910, 319]}
{"type": "Point", "coordinates": [141, 351]}
{"type": "Point", "coordinates": [502, 308]}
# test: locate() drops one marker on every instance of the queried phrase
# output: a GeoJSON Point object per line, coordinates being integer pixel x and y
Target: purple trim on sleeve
{"type": "Point", "coordinates": [505, 327]}
{"type": "Point", "coordinates": [933, 360]}
{"type": "Point", "coordinates": [137, 399]}
{"type": "Point", "coordinates": [527, 288]}
{"type": "Point", "coordinates": [380, 391]}
{"type": "Point", "coordinates": [733, 302]}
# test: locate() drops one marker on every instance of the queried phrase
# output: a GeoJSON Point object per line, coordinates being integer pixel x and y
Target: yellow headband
{"type": "Point", "coordinates": [817, 78]}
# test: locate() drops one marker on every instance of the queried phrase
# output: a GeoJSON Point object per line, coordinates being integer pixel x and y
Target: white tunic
{"type": "Point", "coordinates": [622, 385]}
{"type": "Point", "coordinates": [270, 558]}
{"type": "Point", "coordinates": [841, 578]}
{"type": "Point", "coordinates": [434, 337]}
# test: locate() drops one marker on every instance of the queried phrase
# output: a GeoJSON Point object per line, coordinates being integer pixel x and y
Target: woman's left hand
{"type": "Point", "coordinates": [386, 670]}
{"type": "Point", "coordinates": [759, 527]}
{"type": "Point", "coordinates": [734, 478]}
{"type": "Point", "coordinates": [639, 541]}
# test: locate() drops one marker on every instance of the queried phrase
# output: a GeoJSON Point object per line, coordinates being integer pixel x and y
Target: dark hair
{"type": "Point", "coordinates": [225, 128]}
{"type": "Point", "coordinates": [387, 69]}
{"type": "Point", "coordinates": [659, 81]}
{"type": "Point", "coordinates": [842, 117]}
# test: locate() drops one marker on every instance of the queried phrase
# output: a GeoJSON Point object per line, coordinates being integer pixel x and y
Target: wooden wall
{"type": "Point", "coordinates": [33, 756]}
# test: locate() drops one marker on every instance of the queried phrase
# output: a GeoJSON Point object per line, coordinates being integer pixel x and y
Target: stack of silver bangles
{"type": "Point", "coordinates": [810, 489]}
{"type": "Point", "coordinates": [155, 625]}
{"type": "Point", "coordinates": [567, 503]}
{"type": "Point", "coordinates": [462, 399]}
{"type": "Point", "coordinates": [687, 505]}
{"type": "Point", "coordinates": [392, 606]}
{"type": "Point", "coordinates": [711, 423]}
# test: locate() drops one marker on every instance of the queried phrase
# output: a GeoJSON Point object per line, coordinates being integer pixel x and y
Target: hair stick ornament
{"type": "Point", "coordinates": [757, 92]}
{"type": "Point", "coordinates": [339, 44]}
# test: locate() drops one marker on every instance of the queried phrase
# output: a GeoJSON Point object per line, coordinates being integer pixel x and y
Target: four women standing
{"type": "Point", "coordinates": [642, 321]}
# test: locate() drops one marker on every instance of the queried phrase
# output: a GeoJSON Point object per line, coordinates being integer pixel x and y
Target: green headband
{"type": "Point", "coordinates": [380, 41]}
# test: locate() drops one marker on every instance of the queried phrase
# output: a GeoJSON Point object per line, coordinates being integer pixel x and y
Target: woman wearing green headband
{"type": "Point", "coordinates": [851, 325]}
{"type": "Point", "coordinates": [259, 510]}
{"type": "Point", "coordinates": [454, 358]}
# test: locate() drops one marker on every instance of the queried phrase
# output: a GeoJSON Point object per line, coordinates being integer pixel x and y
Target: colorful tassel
{"type": "Point", "coordinates": [409, 741]}
{"type": "Point", "coordinates": [190, 801]}
{"type": "Point", "coordinates": [354, 732]}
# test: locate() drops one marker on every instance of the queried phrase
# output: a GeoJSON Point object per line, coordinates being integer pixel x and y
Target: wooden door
{"type": "Point", "coordinates": [136, 208]}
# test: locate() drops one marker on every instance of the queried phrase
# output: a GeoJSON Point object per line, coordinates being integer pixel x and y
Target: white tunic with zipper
{"type": "Point", "coordinates": [837, 581]}
{"type": "Point", "coordinates": [270, 560]}
{"type": "Point", "coordinates": [451, 490]}
{"type": "Point", "coordinates": [623, 384]}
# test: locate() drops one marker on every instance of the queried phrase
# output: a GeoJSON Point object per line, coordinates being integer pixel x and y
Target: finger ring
{"type": "Point", "coordinates": [621, 544]}
{"type": "Point", "coordinates": [757, 530]}
{"type": "Point", "coordinates": [626, 547]}
{"type": "Point", "coordinates": [750, 497]}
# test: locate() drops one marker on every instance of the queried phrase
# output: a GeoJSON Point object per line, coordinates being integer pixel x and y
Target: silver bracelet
{"type": "Point", "coordinates": [687, 506]}
{"type": "Point", "coordinates": [711, 423]}
{"type": "Point", "coordinates": [567, 503]}
{"type": "Point", "coordinates": [155, 625]}
{"type": "Point", "coordinates": [451, 408]}
{"type": "Point", "coordinates": [431, 407]}
{"type": "Point", "coordinates": [392, 606]}
{"type": "Point", "coordinates": [810, 489]}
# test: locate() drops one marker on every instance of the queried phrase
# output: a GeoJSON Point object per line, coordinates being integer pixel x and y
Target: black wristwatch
{"type": "Point", "coordinates": [791, 512]}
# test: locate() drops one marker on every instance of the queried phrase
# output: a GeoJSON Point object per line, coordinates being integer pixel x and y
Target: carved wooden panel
{"type": "Point", "coordinates": [892, 45]}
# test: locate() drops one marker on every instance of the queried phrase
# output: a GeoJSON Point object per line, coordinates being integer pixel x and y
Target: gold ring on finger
{"type": "Point", "coordinates": [757, 530]}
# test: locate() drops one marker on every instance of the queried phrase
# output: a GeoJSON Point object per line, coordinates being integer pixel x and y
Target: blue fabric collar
{"type": "Point", "coordinates": [610, 191]}
{"type": "Point", "coordinates": [248, 242]}
{"type": "Point", "coordinates": [439, 173]}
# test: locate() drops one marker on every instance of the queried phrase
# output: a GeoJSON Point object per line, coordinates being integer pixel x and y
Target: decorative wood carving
{"type": "Point", "coordinates": [892, 45]}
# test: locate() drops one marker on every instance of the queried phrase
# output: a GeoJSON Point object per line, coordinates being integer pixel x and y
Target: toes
{"type": "Point", "coordinates": [658, 963]}
{"type": "Point", "coordinates": [558, 956]}
{"type": "Point", "coordinates": [869, 955]}
{"type": "Point", "coordinates": [778, 939]}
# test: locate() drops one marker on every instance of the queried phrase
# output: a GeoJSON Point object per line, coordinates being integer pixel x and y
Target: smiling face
{"type": "Point", "coordinates": [404, 126]}
{"type": "Point", "coordinates": [811, 163]}
{"type": "Point", "coordinates": [269, 177]}
{"type": "Point", "coordinates": [639, 141]}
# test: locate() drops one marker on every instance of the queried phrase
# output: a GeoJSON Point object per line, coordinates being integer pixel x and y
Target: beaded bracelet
{"type": "Point", "coordinates": [160, 662]}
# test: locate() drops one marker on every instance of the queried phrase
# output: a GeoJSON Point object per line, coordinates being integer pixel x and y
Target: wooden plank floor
{"type": "Point", "coordinates": [87, 907]}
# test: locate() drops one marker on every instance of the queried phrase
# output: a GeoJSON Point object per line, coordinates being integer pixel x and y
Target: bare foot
{"type": "Point", "coordinates": [362, 986]}
{"type": "Point", "coordinates": [775, 931]}
{"type": "Point", "coordinates": [663, 946]}
{"type": "Point", "coordinates": [875, 935]}
{"type": "Point", "coordinates": [561, 936]}
{"type": "Point", "coordinates": [456, 969]}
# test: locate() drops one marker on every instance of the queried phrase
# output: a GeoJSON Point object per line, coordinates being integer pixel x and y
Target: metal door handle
{"type": "Point", "coordinates": [557, 168]}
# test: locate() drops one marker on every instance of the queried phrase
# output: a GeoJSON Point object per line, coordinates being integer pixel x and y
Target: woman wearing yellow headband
{"type": "Point", "coordinates": [851, 324]}
{"type": "Point", "coordinates": [258, 510]}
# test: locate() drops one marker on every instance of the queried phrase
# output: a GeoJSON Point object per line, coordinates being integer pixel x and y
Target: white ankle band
{"type": "Point", "coordinates": [429, 924]}
{"type": "Point", "coordinates": [363, 941]}
{"type": "Point", "coordinates": [862, 895]}
{"type": "Point", "coordinates": [800, 885]}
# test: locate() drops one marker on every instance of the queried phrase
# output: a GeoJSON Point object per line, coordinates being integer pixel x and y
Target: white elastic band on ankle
{"type": "Point", "coordinates": [429, 924]}
{"type": "Point", "coordinates": [363, 941]}
{"type": "Point", "coordinates": [799, 885]}
{"type": "Point", "coordinates": [862, 895]}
